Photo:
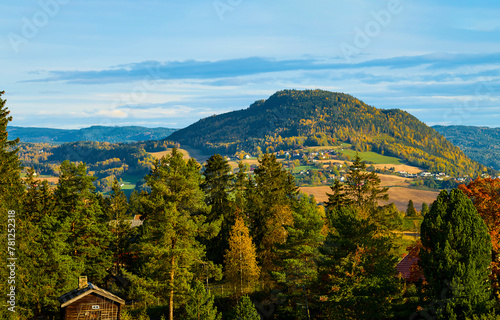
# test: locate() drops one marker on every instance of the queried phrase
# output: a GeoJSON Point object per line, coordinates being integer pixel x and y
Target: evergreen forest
{"type": "Point", "coordinates": [203, 241]}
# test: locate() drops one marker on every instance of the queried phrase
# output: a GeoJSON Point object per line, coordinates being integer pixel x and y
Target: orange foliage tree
{"type": "Point", "coordinates": [485, 194]}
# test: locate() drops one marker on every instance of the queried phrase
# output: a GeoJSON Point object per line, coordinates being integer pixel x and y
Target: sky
{"type": "Point", "coordinates": [73, 64]}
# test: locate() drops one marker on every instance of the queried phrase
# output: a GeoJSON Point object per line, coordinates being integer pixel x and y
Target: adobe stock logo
{"type": "Point", "coordinates": [222, 7]}
{"type": "Point", "coordinates": [30, 27]}
{"type": "Point", "coordinates": [363, 36]}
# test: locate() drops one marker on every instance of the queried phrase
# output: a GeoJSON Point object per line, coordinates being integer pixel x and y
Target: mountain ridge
{"type": "Point", "coordinates": [112, 134]}
{"type": "Point", "coordinates": [477, 142]}
{"type": "Point", "coordinates": [299, 118]}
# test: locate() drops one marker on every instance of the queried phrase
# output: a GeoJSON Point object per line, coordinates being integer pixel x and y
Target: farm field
{"type": "Point", "coordinates": [399, 195]}
{"type": "Point", "coordinates": [49, 179]}
{"type": "Point", "coordinates": [389, 180]}
{"type": "Point", "coordinates": [158, 155]}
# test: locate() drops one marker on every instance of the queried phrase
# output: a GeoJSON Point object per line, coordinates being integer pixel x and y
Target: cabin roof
{"type": "Point", "coordinates": [408, 268]}
{"type": "Point", "coordinates": [76, 294]}
{"type": "Point", "coordinates": [405, 264]}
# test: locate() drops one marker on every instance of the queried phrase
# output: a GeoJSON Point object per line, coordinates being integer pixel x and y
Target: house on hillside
{"type": "Point", "coordinates": [90, 302]}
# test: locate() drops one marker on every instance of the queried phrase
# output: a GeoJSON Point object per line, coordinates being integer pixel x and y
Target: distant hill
{"type": "Point", "coordinates": [481, 144]}
{"type": "Point", "coordinates": [94, 133]}
{"type": "Point", "coordinates": [291, 119]}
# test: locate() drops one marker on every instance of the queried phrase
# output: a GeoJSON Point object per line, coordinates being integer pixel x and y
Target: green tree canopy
{"type": "Point", "coordinates": [174, 218]}
{"type": "Point", "coordinates": [456, 255]}
{"type": "Point", "coordinates": [217, 184]}
{"type": "Point", "coordinates": [270, 202]}
{"type": "Point", "coordinates": [89, 232]}
{"type": "Point", "coordinates": [245, 310]}
{"type": "Point", "coordinates": [410, 209]}
{"type": "Point", "coordinates": [362, 188]}
{"type": "Point", "coordinates": [357, 278]}
{"type": "Point", "coordinates": [200, 305]}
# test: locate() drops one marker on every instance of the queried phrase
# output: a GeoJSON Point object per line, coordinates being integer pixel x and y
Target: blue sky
{"type": "Point", "coordinates": [72, 64]}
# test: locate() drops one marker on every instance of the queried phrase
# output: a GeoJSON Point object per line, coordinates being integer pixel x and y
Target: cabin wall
{"type": "Point", "coordinates": [92, 307]}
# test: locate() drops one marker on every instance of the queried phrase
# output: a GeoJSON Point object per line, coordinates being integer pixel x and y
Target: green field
{"type": "Point", "coordinates": [303, 168]}
{"type": "Point", "coordinates": [129, 181]}
{"type": "Point", "coordinates": [372, 157]}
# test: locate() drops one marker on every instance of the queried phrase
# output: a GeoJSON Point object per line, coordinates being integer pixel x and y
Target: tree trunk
{"type": "Point", "coordinates": [171, 298]}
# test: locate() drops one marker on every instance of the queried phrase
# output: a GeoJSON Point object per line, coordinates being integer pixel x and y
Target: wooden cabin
{"type": "Point", "coordinates": [90, 302]}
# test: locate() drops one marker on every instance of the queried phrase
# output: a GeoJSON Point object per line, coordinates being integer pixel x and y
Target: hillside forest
{"type": "Point", "coordinates": [479, 143]}
{"type": "Point", "coordinates": [204, 242]}
{"type": "Point", "coordinates": [291, 119]}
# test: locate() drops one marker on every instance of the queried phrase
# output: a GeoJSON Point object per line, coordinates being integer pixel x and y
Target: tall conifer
{"type": "Point", "coordinates": [217, 184]}
{"type": "Point", "coordinates": [89, 230]}
{"type": "Point", "coordinates": [271, 199]}
{"type": "Point", "coordinates": [11, 192]}
{"type": "Point", "coordinates": [455, 257]}
{"type": "Point", "coordinates": [174, 217]}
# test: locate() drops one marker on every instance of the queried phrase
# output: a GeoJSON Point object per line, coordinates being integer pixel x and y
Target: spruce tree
{"type": "Point", "coordinates": [297, 257]}
{"type": "Point", "coordinates": [89, 230]}
{"type": "Point", "coordinates": [11, 192]}
{"type": "Point", "coordinates": [357, 278]}
{"type": "Point", "coordinates": [362, 189]}
{"type": "Point", "coordinates": [410, 209]}
{"type": "Point", "coordinates": [116, 208]}
{"type": "Point", "coordinates": [270, 201]}
{"type": "Point", "coordinates": [200, 305]}
{"type": "Point", "coordinates": [245, 310]}
{"type": "Point", "coordinates": [241, 268]}
{"type": "Point", "coordinates": [485, 195]}
{"type": "Point", "coordinates": [11, 188]}
{"type": "Point", "coordinates": [217, 185]}
{"type": "Point", "coordinates": [456, 257]}
{"type": "Point", "coordinates": [44, 246]}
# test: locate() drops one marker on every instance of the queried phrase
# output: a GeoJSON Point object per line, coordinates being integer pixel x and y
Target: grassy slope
{"type": "Point", "coordinates": [373, 157]}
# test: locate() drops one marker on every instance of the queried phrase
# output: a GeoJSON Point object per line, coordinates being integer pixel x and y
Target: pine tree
{"type": "Point", "coordinates": [11, 188]}
{"type": "Point", "coordinates": [357, 278]}
{"type": "Point", "coordinates": [245, 310]}
{"type": "Point", "coordinates": [200, 305]}
{"type": "Point", "coordinates": [44, 246]}
{"type": "Point", "coordinates": [11, 192]}
{"type": "Point", "coordinates": [217, 184]}
{"type": "Point", "coordinates": [297, 257]}
{"type": "Point", "coordinates": [116, 208]}
{"type": "Point", "coordinates": [362, 188]}
{"type": "Point", "coordinates": [410, 209]}
{"type": "Point", "coordinates": [89, 230]}
{"type": "Point", "coordinates": [241, 267]}
{"type": "Point", "coordinates": [338, 198]}
{"type": "Point", "coordinates": [239, 187]}
{"type": "Point", "coordinates": [270, 201]}
{"type": "Point", "coordinates": [174, 217]}
{"type": "Point", "coordinates": [455, 257]}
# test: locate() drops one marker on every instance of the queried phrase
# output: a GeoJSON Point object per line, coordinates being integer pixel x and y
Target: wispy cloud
{"type": "Point", "coordinates": [232, 68]}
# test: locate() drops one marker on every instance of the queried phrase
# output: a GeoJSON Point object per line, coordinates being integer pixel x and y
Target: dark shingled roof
{"type": "Point", "coordinates": [76, 294]}
{"type": "Point", "coordinates": [404, 266]}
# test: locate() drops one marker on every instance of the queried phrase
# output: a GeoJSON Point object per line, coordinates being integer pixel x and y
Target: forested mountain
{"type": "Point", "coordinates": [292, 119]}
{"type": "Point", "coordinates": [481, 144]}
{"type": "Point", "coordinates": [93, 133]}
{"type": "Point", "coordinates": [215, 245]}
